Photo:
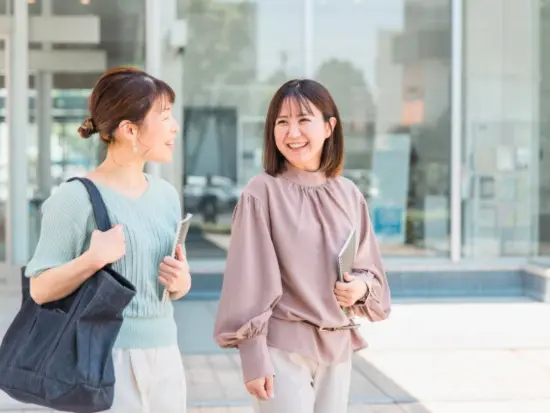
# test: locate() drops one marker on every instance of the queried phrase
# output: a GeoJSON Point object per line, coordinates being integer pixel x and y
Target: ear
{"type": "Point", "coordinates": [127, 130]}
{"type": "Point", "coordinates": [329, 127]}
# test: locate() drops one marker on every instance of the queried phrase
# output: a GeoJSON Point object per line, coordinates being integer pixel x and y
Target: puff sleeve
{"type": "Point", "coordinates": [251, 288]}
{"type": "Point", "coordinates": [376, 305]}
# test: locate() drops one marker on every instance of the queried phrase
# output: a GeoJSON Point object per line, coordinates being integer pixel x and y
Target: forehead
{"type": "Point", "coordinates": [161, 103]}
{"type": "Point", "coordinates": [296, 106]}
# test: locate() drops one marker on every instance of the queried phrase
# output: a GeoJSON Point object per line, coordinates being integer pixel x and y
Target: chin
{"type": "Point", "coordinates": [160, 159]}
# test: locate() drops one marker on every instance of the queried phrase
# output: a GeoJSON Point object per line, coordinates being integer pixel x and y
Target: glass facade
{"type": "Point", "coordinates": [122, 41]}
{"type": "Point", "coordinates": [506, 139]}
{"type": "Point", "coordinates": [389, 66]}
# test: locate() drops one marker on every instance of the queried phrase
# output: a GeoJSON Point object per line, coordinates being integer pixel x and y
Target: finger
{"type": "Point", "coordinates": [252, 390]}
{"type": "Point", "coordinates": [348, 278]}
{"type": "Point", "coordinates": [269, 387]}
{"type": "Point", "coordinates": [168, 276]}
{"type": "Point", "coordinates": [340, 286]}
{"type": "Point", "coordinates": [164, 281]}
{"type": "Point", "coordinates": [168, 269]}
{"type": "Point", "coordinates": [343, 296]}
{"type": "Point", "coordinates": [261, 393]}
{"type": "Point", "coordinates": [179, 253]}
{"type": "Point", "coordinates": [174, 263]}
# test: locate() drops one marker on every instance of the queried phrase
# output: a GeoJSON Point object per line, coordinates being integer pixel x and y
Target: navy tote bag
{"type": "Point", "coordinates": [58, 355]}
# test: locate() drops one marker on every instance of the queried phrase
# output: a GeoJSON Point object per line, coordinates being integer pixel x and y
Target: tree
{"type": "Point", "coordinates": [349, 89]}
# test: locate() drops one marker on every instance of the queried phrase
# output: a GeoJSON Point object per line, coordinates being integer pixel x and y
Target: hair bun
{"type": "Point", "coordinates": [87, 128]}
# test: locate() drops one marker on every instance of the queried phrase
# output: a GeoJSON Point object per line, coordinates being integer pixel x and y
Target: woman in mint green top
{"type": "Point", "coordinates": [131, 111]}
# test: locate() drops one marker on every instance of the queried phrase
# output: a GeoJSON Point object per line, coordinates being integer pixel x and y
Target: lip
{"type": "Point", "coordinates": [303, 145]}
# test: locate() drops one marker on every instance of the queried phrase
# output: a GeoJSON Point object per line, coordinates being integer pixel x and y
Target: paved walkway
{"type": "Point", "coordinates": [434, 357]}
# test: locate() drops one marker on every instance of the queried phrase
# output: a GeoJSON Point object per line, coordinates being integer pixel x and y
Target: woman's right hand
{"type": "Point", "coordinates": [109, 246]}
{"type": "Point", "coordinates": [261, 388]}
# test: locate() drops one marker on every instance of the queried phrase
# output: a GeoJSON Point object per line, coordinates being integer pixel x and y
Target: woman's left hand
{"type": "Point", "coordinates": [348, 292]}
{"type": "Point", "coordinates": [174, 274]}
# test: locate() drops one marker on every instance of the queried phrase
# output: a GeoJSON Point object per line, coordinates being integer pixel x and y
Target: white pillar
{"type": "Point", "coordinates": [308, 38]}
{"type": "Point", "coordinates": [457, 68]}
{"type": "Point", "coordinates": [154, 49]}
{"type": "Point", "coordinates": [44, 84]}
{"type": "Point", "coordinates": [18, 117]}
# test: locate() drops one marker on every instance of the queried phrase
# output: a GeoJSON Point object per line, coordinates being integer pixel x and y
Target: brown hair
{"type": "Point", "coordinates": [306, 92]}
{"type": "Point", "coordinates": [123, 93]}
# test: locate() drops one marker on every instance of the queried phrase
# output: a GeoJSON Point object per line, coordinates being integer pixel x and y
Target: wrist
{"type": "Point", "coordinates": [365, 293]}
{"type": "Point", "coordinates": [93, 261]}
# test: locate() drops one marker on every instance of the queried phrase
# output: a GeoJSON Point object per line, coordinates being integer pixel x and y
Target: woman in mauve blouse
{"type": "Point", "coordinates": [281, 303]}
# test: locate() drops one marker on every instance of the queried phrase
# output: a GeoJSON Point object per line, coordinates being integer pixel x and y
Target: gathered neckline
{"type": "Point", "coordinates": [302, 177]}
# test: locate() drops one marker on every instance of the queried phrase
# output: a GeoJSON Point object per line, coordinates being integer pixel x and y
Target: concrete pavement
{"type": "Point", "coordinates": [437, 357]}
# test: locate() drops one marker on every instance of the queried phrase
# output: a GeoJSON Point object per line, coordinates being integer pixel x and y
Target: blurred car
{"type": "Point", "coordinates": [210, 196]}
{"type": "Point", "coordinates": [365, 180]}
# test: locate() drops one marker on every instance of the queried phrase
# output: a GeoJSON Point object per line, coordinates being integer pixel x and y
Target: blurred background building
{"type": "Point", "coordinates": [445, 105]}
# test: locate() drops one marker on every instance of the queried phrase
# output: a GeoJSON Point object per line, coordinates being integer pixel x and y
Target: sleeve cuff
{"type": "Point", "coordinates": [367, 279]}
{"type": "Point", "coordinates": [255, 359]}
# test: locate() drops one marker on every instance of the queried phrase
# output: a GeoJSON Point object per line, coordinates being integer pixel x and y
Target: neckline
{"type": "Point", "coordinates": [120, 194]}
{"type": "Point", "coordinates": [303, 177]}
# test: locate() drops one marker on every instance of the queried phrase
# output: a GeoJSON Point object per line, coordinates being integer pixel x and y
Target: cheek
{"type": "Point", "coordinates": [279, 138]}
{"type": "Point", "coordinates": [316, 135]}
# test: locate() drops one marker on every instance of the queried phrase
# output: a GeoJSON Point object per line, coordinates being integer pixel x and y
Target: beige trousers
{"type": "Point", "coordinates": [149, 381]}
{"type": "Point", "coordinates": [302, 385]}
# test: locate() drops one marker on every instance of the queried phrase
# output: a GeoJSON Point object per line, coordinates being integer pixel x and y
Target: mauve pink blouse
{"type": "Point", "coordinates": [281, 270]}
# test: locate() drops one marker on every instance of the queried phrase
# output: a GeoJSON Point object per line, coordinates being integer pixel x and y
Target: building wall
{"type": "Point", "coordinates": [388, 66]}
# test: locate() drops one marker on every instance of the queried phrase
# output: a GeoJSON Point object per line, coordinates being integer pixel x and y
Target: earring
{"type": "Point", "coordinates": [134, 147]}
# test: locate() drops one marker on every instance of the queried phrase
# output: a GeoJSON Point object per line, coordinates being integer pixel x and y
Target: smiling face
{"type": "Point", "coordinates": [300, 133]}
{"type": "Point", "coordinates": [155, 138]}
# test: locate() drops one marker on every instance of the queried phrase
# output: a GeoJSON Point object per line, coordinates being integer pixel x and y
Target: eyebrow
{"type": "Point", "coordinates": [299, 114]}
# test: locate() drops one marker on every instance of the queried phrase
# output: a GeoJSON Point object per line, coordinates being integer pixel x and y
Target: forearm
{"type": "Point", "coordinates": [59, 282]}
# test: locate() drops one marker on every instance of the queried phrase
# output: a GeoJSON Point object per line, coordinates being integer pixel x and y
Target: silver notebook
{"type": "Point", "coordinates": [346, 257]}
{"type": "Point", "coordinates": [179, 239]}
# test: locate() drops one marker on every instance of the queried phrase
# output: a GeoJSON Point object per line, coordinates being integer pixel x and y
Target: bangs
{"type": "Point", "coordinates": [298, 97]}
{"type": "Point", "coordinates": [163, 94]}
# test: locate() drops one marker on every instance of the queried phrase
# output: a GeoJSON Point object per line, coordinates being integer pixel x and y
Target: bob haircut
{"type": "Point", "coordinates": [305, 92]}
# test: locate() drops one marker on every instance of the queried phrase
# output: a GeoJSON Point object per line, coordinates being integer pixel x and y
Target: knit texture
{"type": "Point", "coordinates": [149, 223]}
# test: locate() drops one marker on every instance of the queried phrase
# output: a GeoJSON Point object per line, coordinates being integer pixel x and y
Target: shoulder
{"type": "Point", "coordinates": [68, 203]}
{"type": "Point", "coordinates": [259, 186]}
{"type": "Point", "coordinates": [70, 197]}
{"type": "Point", "coordinates": [349, 187]}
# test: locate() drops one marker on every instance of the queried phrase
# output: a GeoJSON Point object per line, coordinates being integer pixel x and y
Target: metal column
{"type": "Point", "coordinates": [18, 118]}
{"type": "Point", "coordinates": [154, 48]}
{"type": "Point", "coordinates": [457, 72]}
{"type": "Point", "coordinates": [308, 38]}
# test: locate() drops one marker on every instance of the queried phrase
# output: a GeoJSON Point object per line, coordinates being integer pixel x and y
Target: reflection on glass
{"type": "Point", "coordinates": [506, 190]}
{"type": "Point", "coordinates": [387, 65]}
{"type": "Point", "coordinates": [122, 40]}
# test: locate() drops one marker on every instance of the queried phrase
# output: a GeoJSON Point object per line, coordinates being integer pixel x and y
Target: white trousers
{"type": "Point", "coordinates": [301, 385]}
{"type": "Point", "coordinates": [149, 381]}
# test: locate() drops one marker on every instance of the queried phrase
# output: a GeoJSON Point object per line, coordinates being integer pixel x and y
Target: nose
{"type": "Point", "coordinates": [176, 126]}
{"type": "Point", "coordinates": [294, 130]}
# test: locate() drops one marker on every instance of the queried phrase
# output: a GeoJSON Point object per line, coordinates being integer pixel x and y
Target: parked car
{"type": "Point", "coordinates": [210, 196]}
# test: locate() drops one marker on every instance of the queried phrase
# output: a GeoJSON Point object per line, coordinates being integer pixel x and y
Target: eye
{"type": "Point", "coordinates": [304, 120]}
{"type": "Point", "coordinates": [281, 122]}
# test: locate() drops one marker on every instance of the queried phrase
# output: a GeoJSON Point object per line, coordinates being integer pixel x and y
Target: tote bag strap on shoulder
{"type": "Point", "coordinates": [98, 206]}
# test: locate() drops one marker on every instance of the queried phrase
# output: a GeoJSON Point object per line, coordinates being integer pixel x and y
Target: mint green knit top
{"type": "Point", "coordinates": [149, 222]}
